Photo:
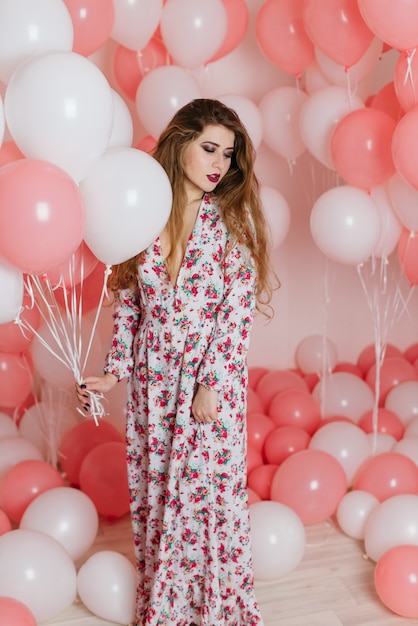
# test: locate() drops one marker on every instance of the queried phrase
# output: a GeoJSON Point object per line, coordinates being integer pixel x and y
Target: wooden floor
{"type": "Point", "coordinates": [332, 586]}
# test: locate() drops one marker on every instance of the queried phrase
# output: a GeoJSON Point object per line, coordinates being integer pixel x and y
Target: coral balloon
{"type": "Point", "coordinates": [395, 579]}
{"type": "Point", "coordinates": [282, 37]}
{"type": "Point", "coordinates": [295, 407]}
{"type": "Point", "coordinates": [278, 539]}
{"type": "Point", "coordinates": [405, 77]}
{"type": "Point", "coordinates": [393, 371]}
{"type": "Point", "coordinates": [386, 475]}
{"type": "Point", "coordinates": [386, 422]}
{"type": "Point", "coordinates": [5, 523]}
{"type": "Point", "coordinates": [106, 584]}
{"type": "Point", "coordinates": [284, 441]}
{"type": "Point", "coordinates": [260, 479]}
{"type": "Point", "coordinates": [258, 427]}
{"type": "Point", "coordinates": [42, 222]}
{"type": "Point", "coordinates": [104, 478]}
{"type": "Point", "coordinates": [367, 356]}
{"type": "Point", "coordinates": [361, 147]}
{"type": "Point", "coordinates": [15, 613]}
{"type": "Point", "coordinates": [16, 378]}
{"type": "Point", "coordinates": [78, 441]}
{"type": "Point", "coordinates": [237, 23]}
{"type": "Point", "coordinates": [337, 28]}
{"type": "Point", "coordinates": [254, 458]}
{"type": "Point", "coordinates": [275, 381]}
{"type": "Point", "coordinates": [404, 147]}
{"type": "Point", "coordinates": [310, 482]}
{"type": "Point", "coordinates": [393, 24]}
{"type": "Point", "coordinates": [24, 482]}
{"type": "Point", "coordinates": [92, 23]}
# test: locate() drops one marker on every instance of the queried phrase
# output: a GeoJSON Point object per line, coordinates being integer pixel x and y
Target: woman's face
{"type": "Point", "coordinates": [207, 159]}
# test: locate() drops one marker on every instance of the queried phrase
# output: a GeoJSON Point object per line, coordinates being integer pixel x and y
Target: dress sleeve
{"type": "Point", "coordinates": [226, 356]}
{"type": "Point", "coordinates": [127, 313]}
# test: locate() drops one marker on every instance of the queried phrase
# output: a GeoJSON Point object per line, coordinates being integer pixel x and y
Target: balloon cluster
{"type": "Point", "coordinates": [322, 445]}
{"type": "Point", "coordinates": [49, 521]}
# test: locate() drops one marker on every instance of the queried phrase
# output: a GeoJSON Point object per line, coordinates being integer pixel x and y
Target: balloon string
{"type": "Point", "coordinates": [408, 74]}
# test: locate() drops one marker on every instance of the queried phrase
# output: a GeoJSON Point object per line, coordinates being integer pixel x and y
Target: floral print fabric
{"type": "Point", "coordinates": [188, 480]}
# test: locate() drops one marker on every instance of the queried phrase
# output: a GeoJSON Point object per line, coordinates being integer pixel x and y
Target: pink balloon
{"type": "Point", "coordinates": [92, 23]}
{"type": "Point", "coordinates": [345, 224]}
{"type": "Point", "coordinates": [386, 475]}
{"type": "Point", "coordinates": [87, 292]}
{"type": "Point", "coordinates": [104, 478]}
{"type": "Point", "coordinates": [15, 613]}
{"type": "Point", "coordinates": [254, 458]}
{"type": "Point", "coordinates": [275, 381]}
{"type": "Point", "coordinates": [284, 441]}
{"type": "Point", "coordinates": [395, 578]}
{"type": "Point", "coordinates": [337, 28]}
{"type": "Point", "coordinates": [258, 427]}
{"type": "Point", "coordinates": [394, 370]}
{"type": "Point", "coordinates": [386, 100]}
{"type": "Point", "coordinates": [282, 37]}
{"type": "Point", "coordinates": [295, 407]}
{"type": "Point", "coordinates": [260, 479]}
{"type": "Point", "coordinates": [75, 269]}
{"type": "Point", "coordinates": [9, 152]}
{"type": "Point", "coordinates": [358, 74]}
{"type": "Point", "coordinates": [404, 147]}
{"type": "Point", "coordinates": [367, 356]}
{"type": "Point", "coordinates": [79, 441]}
{"type": "Point", "coordinates": [16, 378]}
{"type": "Point", "coordinates": [5, 525]}
{"type": "Point", "coordinates": [12, 339]}
{"type": "Point", "coordinates": [392, 22]}
{"type": "Point", "coordinates": [130, 66]}
{"type": "Point", "coordinates": [23, 482]}
{"type": "Point", "coordinates": [255, 374]}
{"type": "Point", "coordinates": [361, 147]}
{"type": "Point", "coordinates": [237, 23]}
{"type": "Point", "coordinates": [405, 77]}
{"type": "Point", "coordinates": [387, 422]}
{"type": "Point", "coordinates": [252, 496]}
{"type": "Point", "coordinates": [43, 220]}
{"type": "Point", "coordinates": [310, 482]}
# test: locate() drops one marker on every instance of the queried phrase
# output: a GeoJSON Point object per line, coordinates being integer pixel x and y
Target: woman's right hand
{"type": "Point", "coordinates": [94, 384]}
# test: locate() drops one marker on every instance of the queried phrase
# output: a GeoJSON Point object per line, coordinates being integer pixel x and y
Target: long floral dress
{"type": "Point", "coordinates": [188, 480]}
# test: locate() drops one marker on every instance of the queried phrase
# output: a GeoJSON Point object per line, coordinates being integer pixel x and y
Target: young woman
{"type": "Point", "coordinates": [182, 321]}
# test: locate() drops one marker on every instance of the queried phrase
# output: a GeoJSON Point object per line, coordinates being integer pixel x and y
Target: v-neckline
{"type": "Point", "coordinates": [174, 285]}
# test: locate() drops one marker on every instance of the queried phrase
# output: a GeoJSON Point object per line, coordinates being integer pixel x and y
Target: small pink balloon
{"type": "Point", "coordinates": [295, 407]}
{"type": "Point", "coordinates": [259, 426]}
{"type": "Point", "coordinates": [260, 479]}
{"type": "Point", "coordinates": [395, 578]}
{"type": "Point", "coordinates": [15, 613]}
{"type": "Point", "coordinates": [386, 422]}
{"type": "Point", "coordinates": [276, 381]}
{"type": "Point", "coordinates": [284, 441]}
{"type": "Point", "coordinates": [386, 475]}
{"type": "Point", "coordinates": [5, 524]}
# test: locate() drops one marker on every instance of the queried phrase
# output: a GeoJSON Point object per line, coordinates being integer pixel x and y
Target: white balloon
{"type": "Point", "coordinates": [393, 522]}
{"type": "Point", "coordinates": [390, 224]}
{"type": "Point", "coordinates": [16, 449]}
{"type": "Point", "coordinates": [106, 584]}
{"type": "Point", "coordinates": [67, 515]}
{"type": "Point", "coordinates": [249, 114]}
{"type": "Point", "coordinates": [28, 27]}
{"type": "Point", "coordinates": [59, 108]}
{"type": "Point", "coordinates": [278, 539]}
{"type": "Point", "coordinates": [11, 289]}
{"type": "Point", "coordinates": [36, 570]}
{"type": "Point", "coordinates": [320, 115]}
{"type": "Point", "coordinates": [128, 202]}
{"type": "Point", "coordinates": [161, 93]}
{"type": "Point", "coordinates": [135, 22]}
{"type": "Point", "coordinates": [380, 442]}
{"type": "Point", "coordinates": [277, 212]}
{"type": "Point", "coordinates": [316, 354]}
{"type": "Point", "coordinates": [8, 427]}
{"type": "Point", "coordinates": [343, 393]}
{"type": "Point", "coordinates": [353, 512]}
{"type": "Point", "coordinates": [403, 400]}
{"type": "Point", "coordinates": [123, 127]}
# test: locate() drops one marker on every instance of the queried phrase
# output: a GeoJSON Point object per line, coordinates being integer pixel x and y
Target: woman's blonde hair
{"type": "Point", "coordinates": [237, 193]}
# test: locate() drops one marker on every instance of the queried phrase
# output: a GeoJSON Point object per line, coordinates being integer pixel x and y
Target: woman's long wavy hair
{"type": "Point", "coordinates": [237, 194]}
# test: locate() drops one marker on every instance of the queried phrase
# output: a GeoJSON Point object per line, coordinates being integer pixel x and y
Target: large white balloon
{"type": "Point", "coordinates": [59, 108]}
{"type": "Point", "coordinates": [28, 27]}
{"type": "Point", "coordinates": [135, 22]}
{"type": "Point", "coordinates": [106, 584]}
{"type": "Point", "coordinates": [161, 93]}
{"type": "Point", "coordinates": [345, 394]}
{"type": "Point", "coordinates": [345, 224]}
{"type": "Point", "coordinates": [128, 202]}
{"type": "Point", "coordinates": [249, 114]}
{"type": "Point", "coordinates": [67, 515]}
{"type": "Point", "coordinates": [278, 539]}
{"type": "Point", "coordinates": [36, 570]}
{"type": "Point", "coordinates": [193, 30]}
